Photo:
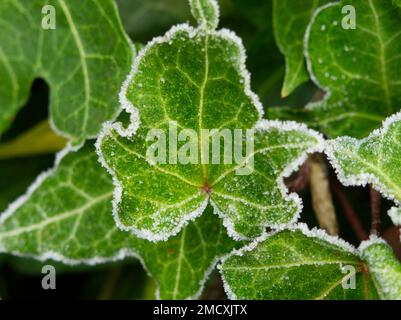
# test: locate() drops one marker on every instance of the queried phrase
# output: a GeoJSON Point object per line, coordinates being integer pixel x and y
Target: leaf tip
{"type": "Point", "coordinates": [206, 13]}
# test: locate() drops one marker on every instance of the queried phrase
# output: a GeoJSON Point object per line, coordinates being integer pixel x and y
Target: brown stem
{"type": "Point", "coordinates": [301, 180]}
{"type": "Point", "coordinates": [375, 204]}
{"type": "Point", "coordinates": [350, 214]}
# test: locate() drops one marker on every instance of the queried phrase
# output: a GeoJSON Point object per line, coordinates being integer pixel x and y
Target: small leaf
{"type": "Point", "coordinates": [206, 13]}
{"type": "Point", "coordinates": [196, 79]}
{"type": "Point", "coordinates": [358, 68]}
{"type": "Point", "coordinates": [297, 264]}
{"type": "Point", "coordinates": [66, 216]}
{"type": "Point", "coordinates": [384, 268]}
{"type": "Point", "coordinates": [290, 20]}
{"type": "Point", "coordinates": [83, 67]}
{"type": "Point", "coordinates": [375, 159]}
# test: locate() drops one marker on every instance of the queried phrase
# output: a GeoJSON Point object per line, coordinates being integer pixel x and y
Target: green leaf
{"type": "Point", "coordinates": [66, 216]}
{"type": "Point", "coordinates": [357, 67]}
{"type": "Point", "coordinates": [83, 67]}
{"type": "Point", "coordinates": [384, 268]}
{"type": "Point", "coordinates": [375, 160]}
{"type": "Point", "coordinates": [290, 20]}
{"type": "Point", "coordinates": [196, 79]}
{"type": "Point", "coordinates": [297, 264]}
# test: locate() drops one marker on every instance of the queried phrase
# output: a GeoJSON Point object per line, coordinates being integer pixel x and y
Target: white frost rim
{"type": "Point", "coordinates": [55, 256]}
{"type": "Point", "coordinates": [395, 215]}
{"type": "Point", "coordinates": [373, 239]}
{"type": "Point", "coordinates": [361, 179]}
{"type": "Point", "coordinates": [314, 233]}
{"type": "Point", "coordinates": [135, 121]}
{"type": "Point", "coordinates": [130, 131]}
{"type": "Point", "coordinates": [264, 126]}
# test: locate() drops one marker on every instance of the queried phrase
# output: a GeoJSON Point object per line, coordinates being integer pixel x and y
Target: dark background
{"type": "Point", "coordinates": [144, 19]}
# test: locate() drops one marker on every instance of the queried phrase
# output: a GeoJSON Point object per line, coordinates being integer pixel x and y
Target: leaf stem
{"type": "Point", "coordinates": [375, 204]}
{"type": "Point", "coordinates": [350, 214]}
{"type": "Point", "coordinates": [38, 140]}
{"type": "Point", "coordinates": [322, 201]}
{"type": "Point", "coordinates": [299, 183]}
{"type": "Point", "coordinates": [106, 292]}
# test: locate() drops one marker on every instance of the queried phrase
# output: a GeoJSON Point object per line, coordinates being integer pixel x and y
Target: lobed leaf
{"type": "Point", "coordinates": [66, 216]}
{"type": "Point", "coordinates": [290, 20]}
{"type": "Point", "coordinates": [356, 67]}
{"type": "Point", "coordinates": [297, 264]}
{"type": "Point", "coordinates": [83, 67]}
{"type": "Point", "coordinates": [196, 79]}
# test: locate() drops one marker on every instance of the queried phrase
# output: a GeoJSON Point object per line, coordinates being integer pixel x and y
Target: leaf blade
{"type": "Point", "coordinates": [92, 58]}
{"type": "Point", "coordinates": [195, 79]}
{"type": "Point", "coordinates": [373, 160]}
{"type": "Point", "coordinates": [358, 75]}
{"type": "Point", "coordinates": [66, 216]}
{"type": "Point", "coordinates": [294, 264]}
{"type": "Point", "coordinates": [290, 20]}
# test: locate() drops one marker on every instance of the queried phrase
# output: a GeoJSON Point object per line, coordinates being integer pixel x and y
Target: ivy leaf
{"type": "Point", "coordinates": [66, 216]}
{"type": "Point", "coordinates": [83, 67]}
{"type": "Point", "coordinates": [384, 268]}
{"type": "Point", "coordinates": [357, 67]}
{"type": "Point", "coordinates": [195, 78]}
{"type": "Point", "coordinates": [290, 20]}
{"type": "Point", "coordinates": [297, 264]}
{"type": "Point", "coordinates": [375, 159]}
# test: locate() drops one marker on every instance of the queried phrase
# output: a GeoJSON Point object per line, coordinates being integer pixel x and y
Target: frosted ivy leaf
{"type": "Point", "coordinates": [358, 68]}
{"type": "Point", "coordinates": [290, 20]}
{"type": "Point", "coordinates": [384, 267]}
{"type": "Point", "coordinates": [66, 216]}
{"type": "Point", "coordinates": [375, 159]}
{"type": "Point", "coordinates": [196, 79]}
{"type": "Point", "coordinates": [83, 67]}
{"type": "Point", "coordinates": [297, 264]}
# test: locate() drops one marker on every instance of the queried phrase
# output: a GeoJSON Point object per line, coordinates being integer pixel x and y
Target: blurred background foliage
{"type": "Point", "coordinates": [143, 20]}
